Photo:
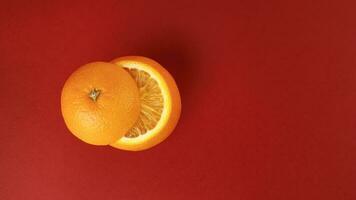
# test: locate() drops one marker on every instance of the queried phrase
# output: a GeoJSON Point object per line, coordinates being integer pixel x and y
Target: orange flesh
{"type": "Point", "coordinates": [151, 103]}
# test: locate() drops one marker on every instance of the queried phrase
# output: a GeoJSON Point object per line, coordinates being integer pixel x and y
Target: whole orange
{"type": "Point", "coordinates": [100, 103]}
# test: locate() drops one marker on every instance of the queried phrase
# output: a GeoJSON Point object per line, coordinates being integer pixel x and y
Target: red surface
{"type": "Point", "coordinates": [268, 91]}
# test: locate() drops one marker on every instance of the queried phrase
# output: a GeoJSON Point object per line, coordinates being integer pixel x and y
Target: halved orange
{"type": "Point", "coordinates": [160, 104]}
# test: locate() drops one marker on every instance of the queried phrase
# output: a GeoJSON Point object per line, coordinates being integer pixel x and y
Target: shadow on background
{"type": "Point", "coordinates": [180, 57]}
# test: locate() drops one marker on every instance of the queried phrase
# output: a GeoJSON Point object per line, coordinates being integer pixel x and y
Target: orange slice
{"type": "Point", "coordinates": [160, 104]}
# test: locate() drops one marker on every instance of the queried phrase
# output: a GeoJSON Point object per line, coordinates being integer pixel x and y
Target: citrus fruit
{"type": "Point", "coordinates": [160, 103]}
{"type": "Point", "coordinates": [100, 103]}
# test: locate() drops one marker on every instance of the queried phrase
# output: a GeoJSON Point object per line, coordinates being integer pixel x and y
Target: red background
{"type": "Point", "coordinates": [268, 91]}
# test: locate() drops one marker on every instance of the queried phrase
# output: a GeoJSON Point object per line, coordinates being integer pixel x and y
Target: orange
{"type": "Point", "coordinates": [100, 103]}
{"type": "Point", "coordinates": [160, 104]}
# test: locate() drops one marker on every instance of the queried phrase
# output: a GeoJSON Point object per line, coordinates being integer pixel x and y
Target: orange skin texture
{"type": "Point", "coordinates": [175, 105]}
{"type": "Point", "coordinates": [111, 115]}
